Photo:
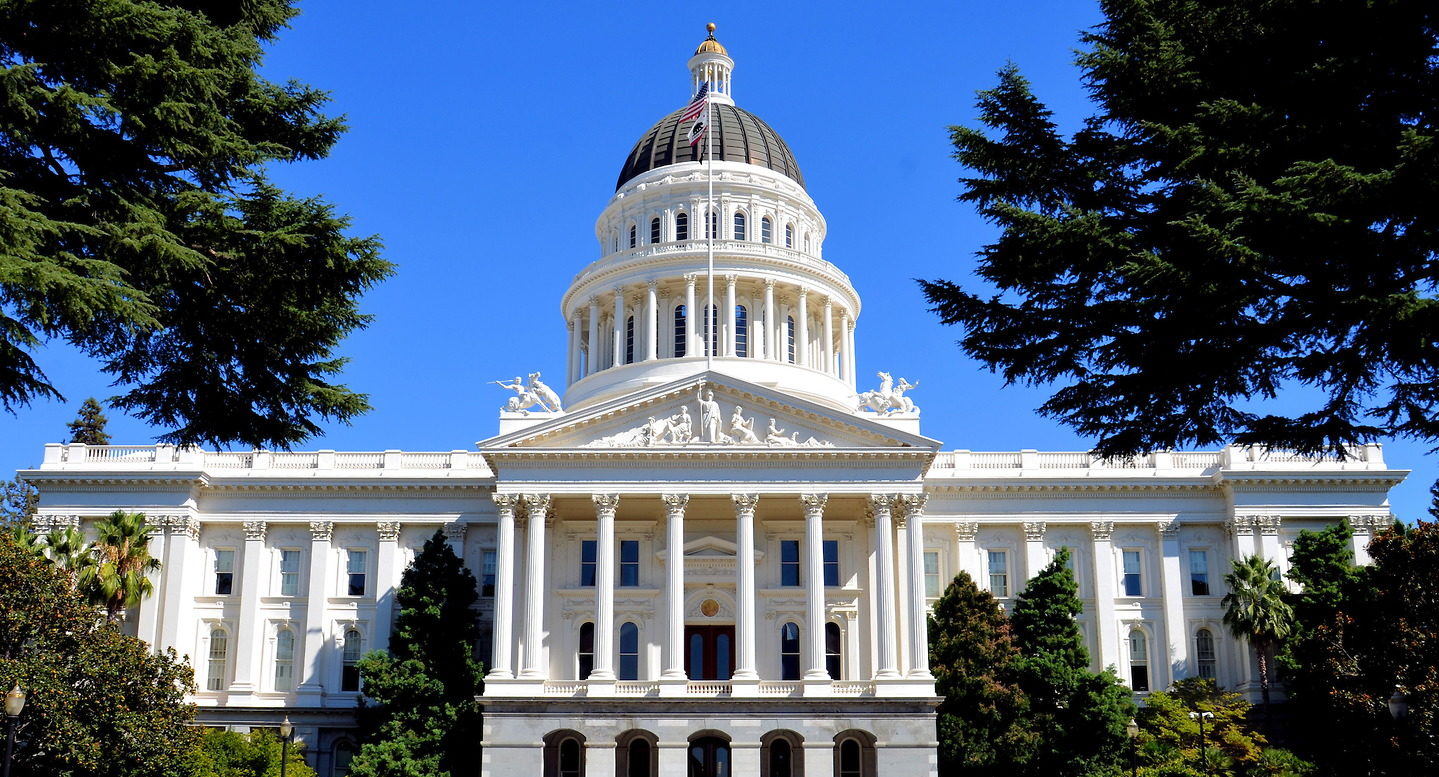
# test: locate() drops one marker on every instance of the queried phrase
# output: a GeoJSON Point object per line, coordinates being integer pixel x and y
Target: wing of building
{"type": "Point", "coordinates": [715, 552]}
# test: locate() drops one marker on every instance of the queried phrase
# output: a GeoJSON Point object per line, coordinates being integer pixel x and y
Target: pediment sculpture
{"type": "Point", "coordinates": [679, 430]}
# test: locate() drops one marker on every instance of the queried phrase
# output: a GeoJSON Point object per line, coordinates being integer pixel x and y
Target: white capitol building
{"type": "Point", "coordinates": [716, 557]}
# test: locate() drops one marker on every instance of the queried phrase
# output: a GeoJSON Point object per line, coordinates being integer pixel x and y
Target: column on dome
{"type": "Point", "coordinates": [745, 637]}
{"type": "Point", "coordinates": [502, 636]}
{"type": "Point", "coordinates": [1171, 583]}
{"type": "Point", "coordinates": [247, 635]}
{"type": "Point", "coordinates": [618, 352]}
{"type": "Point", "coordinates": [674, 646]}
{"type": "Point", "coordinates": [572, 368]}
{"type": "Point", "coordinates": [814, 587]}
{"type": "Point", "coordinates": [1034, 556]}
{"type": "Point", "coordinates": [883, 587]}
{"type": "Point", "coordinates": [828, 336]}
{"type": "Point", "coordinates": [180, 576]}
{"type": "Point", "coordinates": [652, 325]}
{"type": "Point", "coordinates": [771, 343]}
{"type": "Point", "coordinates": [1104, 582]}
{"type": "Point", "coordinates": [693, 346]}
{"type": "Point", "coordinates": [846, 346]}
{"type": "Point", "coordinates": [387, 578]}
{"type": "Point", "coordinates": [604, 665]}
{"type": "Point", "coordinates": [849, 351]}
{"type": "Point", "coordinates": [537, 507]}
{"type": "Point", "coordinates": [801, 346]}
{"type": "Point", "coordinates": [729, 317]}
{"type": "Point", "coordinates": [316, 605]}
{"type": "Point", "coordinates": [919, 610]}
{"type": "Point", "coordinates": [592, 355]}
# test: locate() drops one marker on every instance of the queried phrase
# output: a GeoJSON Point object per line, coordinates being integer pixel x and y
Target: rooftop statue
{"type": "Point", "coordinates": [889, 399]}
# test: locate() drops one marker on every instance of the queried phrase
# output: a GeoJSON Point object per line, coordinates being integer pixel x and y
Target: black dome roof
{"type": "Point", "coordinates": [739, 136]}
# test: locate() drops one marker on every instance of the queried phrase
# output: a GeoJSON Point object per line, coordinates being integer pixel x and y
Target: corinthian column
{"type": "Point", "coordinates": [651, 322]}
{"type": "Point", "coordinates": [501, 665]}
{"type": "Point", "coordinates": [744, 505]}
{"type": "Point", "coordinates": [604, 667]}
{"type": "Point", "coordinates": [884, 586]}
{"type": "Point", "coordinates": [674, 658]}
{"type": "Point", "coordinates": [592, 348]}
{"type": "Point", "coordinates": [801, 346]}
{"type": "Point", "coordinates": [814, 586]}
{"type": "Point", "coordinates": [536, 508]}
{"type": "Point", "coordinates": [918, 623]}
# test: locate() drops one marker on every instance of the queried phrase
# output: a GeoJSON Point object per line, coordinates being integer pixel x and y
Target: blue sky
{"type": "Point", "coordinates": [486, 137]}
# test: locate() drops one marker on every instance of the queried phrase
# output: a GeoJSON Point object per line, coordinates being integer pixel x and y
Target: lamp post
{"type": "Point", "coordinates": [286, 731]}
{"type": "Point", "coordinates": [1132, 729]}
{"type": "Point", "coordinates": [1200, 716]}
{"type": "Point", "coordinates": [14, 704]}
{"type": "Point", "coordinates": [1398, 704]}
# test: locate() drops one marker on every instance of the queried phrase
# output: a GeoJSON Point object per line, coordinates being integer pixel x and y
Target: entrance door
{"type": "Point", "coordinates": [709, 652]}
{"type": "Point", "coordinates": [709, 757]}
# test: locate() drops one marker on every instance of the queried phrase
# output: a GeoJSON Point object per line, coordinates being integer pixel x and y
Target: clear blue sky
{"type": "Point", "coordinates": [485, 139]}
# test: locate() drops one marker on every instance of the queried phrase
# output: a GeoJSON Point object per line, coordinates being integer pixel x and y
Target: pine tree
{"type": "Point", "coordinates": [89, 425]}
{"type": "Point", "coordinates": [425, 722]}
{"type": "Point", "coordinates": [18, 501]}
{"type": "Point", "coordinates": [974, 660]}
{"type": "Point", "coordinates": [140, 227]}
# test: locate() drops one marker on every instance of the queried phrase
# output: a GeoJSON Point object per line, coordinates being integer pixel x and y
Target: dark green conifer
{"type": "Point", "coordinates": [89, 425]}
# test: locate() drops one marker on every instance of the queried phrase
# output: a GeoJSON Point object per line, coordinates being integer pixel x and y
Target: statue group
{"type": "Point", "coordinates": [681, 429]}
{"type": "Point", "coordinates": [532, 394]}
{"type": "Point", "coordinates": [888, 399]}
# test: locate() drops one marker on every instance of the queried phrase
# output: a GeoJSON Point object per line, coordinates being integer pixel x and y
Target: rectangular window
{"type": "Point", "coordinates": [355, 570]}
{"type": "Point", "coordinates": [487, 573]}
{"type": "Point", "coordinates": [1133, 579]}
{"type": "Point", "coordinates": [289, 572]}
{"type": "Point", "coordinates": [999, 573]}
{"type": "Point", "coordinates": [931, 573]}
{"type": "Point", "coordinates": [789, 562]}
{"type": "Point", "coordinates": [224, 572]}
{"type": "Point", "coordinates": [629, 563]}
{"type": "Point", "coordinates": [1138, 661]}
{"type": "Point", "coordinates": [1199, 572]}
{"type": "Point", "coordinates": [219, 648]}
{"type": "Point", "coordinates": [587, 562]}
{"type": "Point", "coordinates": [831, 563]}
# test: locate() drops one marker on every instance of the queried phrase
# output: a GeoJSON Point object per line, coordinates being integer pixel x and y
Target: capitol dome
{"type": "Point", "coordinates": [739, 136]}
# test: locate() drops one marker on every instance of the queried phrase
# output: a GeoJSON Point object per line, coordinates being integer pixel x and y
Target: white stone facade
{"type": "Point", "coordinates": [664, 580]}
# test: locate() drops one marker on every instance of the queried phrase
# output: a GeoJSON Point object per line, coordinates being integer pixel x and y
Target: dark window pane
{"type": "Point", "coordinates": [224, 583]}
{"type": "Point", "coordinates": [831, 562]}
{"type": "Point", "coordinates": [789, 562]}
{"type": "Point", "coordinates": [357, 585]}
{"type": "Point", "coordinates": [780, 759]}
{"type": "Point", "coordinates": [682, 227]}
{"type": "Point", "coordinates": [697, 657]}
{"type": "Point", "coordinates": [1139, 677]}
{"type": "Point", "coordinates": [833, 654]}
{"type": "Point", "coordinates": [849, 759]}
{"type": "Point", "coordinates": [587, 562]}
{"type": "Point", "coordinates": [722, 654]}
{"type": "Point", "coordinates": [629, 562]}
{"type": "Point", "coordinates": [639, 759]}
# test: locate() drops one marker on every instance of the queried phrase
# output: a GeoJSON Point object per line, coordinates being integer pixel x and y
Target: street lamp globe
{"type": "Point", "coordinates": [1398, 704]}
{"type": "Point", "coordinates": [285, 728]}
{"type": "Point", "coordinates": [1131, 728]}
{"type": "Point", "coordinates": [14, 701]}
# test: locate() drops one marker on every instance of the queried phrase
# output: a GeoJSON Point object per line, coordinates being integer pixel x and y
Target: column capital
{"type": "Point", "coordinates": [965, 531]}
{"type": "Point", "coordinates": [322, 531]}
{"type": "Point", "coordinates": [1269, 524]}
{"type": "Point", "coordinates": [570, 325]}
{"type": "Point", "coordinates": [1034, 530]}
{"type": "Point", "coordinates": [606, 503]}
{"type": "Point", "coordinates": [883, 502]}
{"type": "Point", "coordinates": [505, 501]}
{"type": "Point", "coordinates": [814, 502]}
{"type": "Point", "coordinates": [1240, 525]}
{"type": "Point", "coordinates": [651, 285]}
{"type": "Point", "coordinates": [1169, 529]}
{"type": "Point", "coordinates": [828, 304]}
{"type": "Point", "coordinates": [1102, 530]}
{"type": "Point", "coordinates": [593, 301]}
{"type": "Point", "coordinates": [537, 505]}
{"type": "Point", "coordinates": [769, 283]}
{"type": "Point", "coordinates": [745, 503]}
{"type": "Point", "coordinates": [674, 502]}
{"type": "Point", "coordinates": [731, 279]}
{"type": "Point", "coordinates": [914, 504]}
{"type": "Point", "coordinates": [255, 531]}
{"type": "Point", "coordinates": [691, 278]}
{"type": "Point", "coordinates": [802, 293]}
{"type": "Point", "coordinates": [389, 531]}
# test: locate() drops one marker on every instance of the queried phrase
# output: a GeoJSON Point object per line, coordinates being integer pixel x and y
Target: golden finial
{"type": "Point", "coordinates": [710, 45]}
{"type": "Point", "coordinates": [711, 28]}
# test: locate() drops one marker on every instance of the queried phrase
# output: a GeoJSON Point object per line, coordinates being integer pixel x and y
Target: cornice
{"type": "Point", "coordinates": [1020, 486]}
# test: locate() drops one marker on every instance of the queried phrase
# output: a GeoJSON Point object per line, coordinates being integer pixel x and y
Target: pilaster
{"type": "Point", "coordinates": [1171, 572]}
{"type": "Point", "coordinates": [247, 636]}
{"type": "Point", "coordinates": [387, 574]}
{"type": "Point", "coordinates": [1034, 555]}
{"type": "Point", "coordinates": [1104, 586]}
{"type": "Point", "coordinates": [311, 689]}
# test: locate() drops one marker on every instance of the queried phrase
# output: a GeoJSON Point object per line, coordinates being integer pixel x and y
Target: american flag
{"type": "Point", "coordinates": [696, 108]}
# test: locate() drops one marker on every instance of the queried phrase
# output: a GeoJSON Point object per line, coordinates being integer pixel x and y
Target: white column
{"type": "Point", "coordinates": [918, 613]}
{"type": "Point", "coordinates": [901, 589]}
{"type": "Point", "coordinates": [537, 508]}
{"type": "Point", "coordinates": [966, 553]}
{"type": "Point", "coordinates": [652, 334]}
{"type": "Point", "coordinates": [619, 327]}
{"type": "Point", "coordinates": [180, 577]}
{"type": "Point", "coordinates": [1104, 583]}
{"type": "Point", "coordinates": [814, 586]}
{"type": "Point", "coordinates": [846, 358]}
{"type": "Point", "coordinates": [729, 317]}
{"type": "Point", "coordinates": [828, 336]}
{"type": "Point", "coordinates": [1171, 581]}
{"type": "Point", "coordinates": [248, 639]}
{"type": "Point", "coordinates": [884, 587]}
{"type": "Point", "coordinates": [1034, 555]}
{"type": "Point", "coordinates": [692, 335]}
{"type": "Point", "coordinates": [572, 369]}
{"type": "Point", "coordinates": [1364, 527]}
{"type": "Point", "coordinates": [317, 599]}
{"type": "Point", "coordinates": [387, 579]}
{"type": "Point", "coordinates": [801, 346]}
{"type": "Point", "coordinates": [744, 507]}
{"type": "Point", "coordinates": [502, 637]}
{"type": "Point", "coordinates": [592, 355]}
{"type": "Point", "coordinates": [148, 627]}
{"type": "Point", "coordinates": [1241, 528]}
{"type": "Point", "coordinates": [771, 342]}
{"type": "Point", "coordinates": [604, 667]}
{"type": "Point", "coordinates": [674, 647]}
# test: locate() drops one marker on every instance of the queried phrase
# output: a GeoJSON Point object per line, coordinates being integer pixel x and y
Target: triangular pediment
{"type": "Point", "coordinates": [674, 417]}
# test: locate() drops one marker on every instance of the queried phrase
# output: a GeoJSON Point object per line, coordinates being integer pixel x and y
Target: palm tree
{"type": "Point", "coordinates": [28, 540]}
{"type": "Point", "coordinates": [68, 550]}
{"type": "Point", "coordinates": [122, 548]}
{"type": "Point", "coordinates": [1255, 609]}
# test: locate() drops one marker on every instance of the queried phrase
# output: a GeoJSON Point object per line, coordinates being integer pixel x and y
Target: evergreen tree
{"type": "Point", "coordinates": [1265, 168]}
{"type": "Point", "coordinates": [974, 659]}
{"type": "Point", "coordinates": [1169, 742]}
{"type": "Point", "coordinates": [1256, 609]}
{"type": "Point", "coordinates": [89, 425]}
{"type": "Point", "coordinates": [426, 722]}
{"type": "Point", "coordinates": [1079, 716]}
{"type": "Point", "coordinates": [256, 754]}
{"type": "Point", "coordinates": [139, 224]}
{"type": "Point", "coordinates": [18, 501]}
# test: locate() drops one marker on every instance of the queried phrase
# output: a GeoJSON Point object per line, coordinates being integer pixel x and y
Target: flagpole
{"type": "Point", "coordinates": [711, 226]}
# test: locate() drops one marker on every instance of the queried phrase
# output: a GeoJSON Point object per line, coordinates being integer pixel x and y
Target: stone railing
{"type": "Point", "coordinates": [699, 248]}
{"type": "Point", "coordinates": [987, 463]}
{"type": "Point", "coordinates": [78, 456]}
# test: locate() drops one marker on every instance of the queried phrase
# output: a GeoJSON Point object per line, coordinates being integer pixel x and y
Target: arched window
{"type": "Point", "coordinates": [630, 340]}
{"type": "Point", "coordinates": [572, 760]}
{"type": "Point", "coordinates": [284, 660]}
{"type": "Point", "coordinates": [789, 338]}
{"type": "Point", "coordinates": [833, 651]}
{"type": "Point", "coordinates": [654, 230]}
{"type": "Point", "coordinates": [806, 242]}
{"type": "Point", "coordinates": [741, 331]}
{"type": "Point", "coordinates": [709, 757]}
{"type": "Point", "coordinates": [629, 652]}
{"type": "Point", "coordinates": [344, 753]}
{"type": "Point", "coordinates": [637, 754]}
{"type": "Point", "coordinates": [789, 236]}
{"type": "Point", "coordinates": [781, 754]}
{"type": "Point", "coordinates": [849, 759]}
{"type": "Point", "coordinates": [854, 754]}
{"type": "Point", "coordinates": [1204, 652]}
{"type": "Point", "coordinates": [766, 228]}
{"type": "Point", "coordinates": [1138, 661]}
{"type": "Point", "coordinates": [633, 238]}
{"type": "Point", "coordinates": [219, 653]}
{"type": "Point", "coordinates": [681, 335]}
{"type": "Point", "coordinates": [789, 651]}
{"type": "Point", "coordinates": [739, 231]}
{"type": "Point", "coordinates": [587, 651]}
{"type": "Point", "coordinates": [350, 661]}
{"type": "Point", "coordinates": [564, 754]}
{"type": "Point", "coordinates": [682, 226]}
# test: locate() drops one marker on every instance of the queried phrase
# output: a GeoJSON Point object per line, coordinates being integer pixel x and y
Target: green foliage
{"type": "Point", "coordinates": [425, 722]}
{"type": "Point", "coordinates": [100, 704]}
{"type": "Point", "coordinates": [1256, 609]}
{"type": "Point", "coordinates": [256, 754]}
{"type": "Point", "coordinates": [1265, 168]}
{"type": "Point", "coordinates": [120, 576]}
{"type": "Point", "coordinates": [1169, 738]}
{"type": "Point", "coordinates": [67, 549]}
{"type": "Point", "coordinates": [974, 660]}
{"type": "Point", "coordinates": [18, 501]}
{"type": "Point", "coordinates": [139, 226]}
{"type": "Point", "coordinates": [89, 425]}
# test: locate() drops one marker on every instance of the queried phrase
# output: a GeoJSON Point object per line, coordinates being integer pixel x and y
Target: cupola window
{"type": "Point", "coordinates": [739, 226]}
{"type": "Point", "coordinates": [741, 331]}
{"type": "Point", "coordinates": [789, 236]}
{"type": "Point", "coordinates": [766, 227]}
{"type": "Point", "coordinates": [681, 335]}
{"type": "Point", "coordinates": [682, 226]}
{"type": "Point", "coordinates": [632, 236]}
{"type": "Point", "coordinates": [789, 337]}
{"type": "Point", "coordinates": [654, 230]}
